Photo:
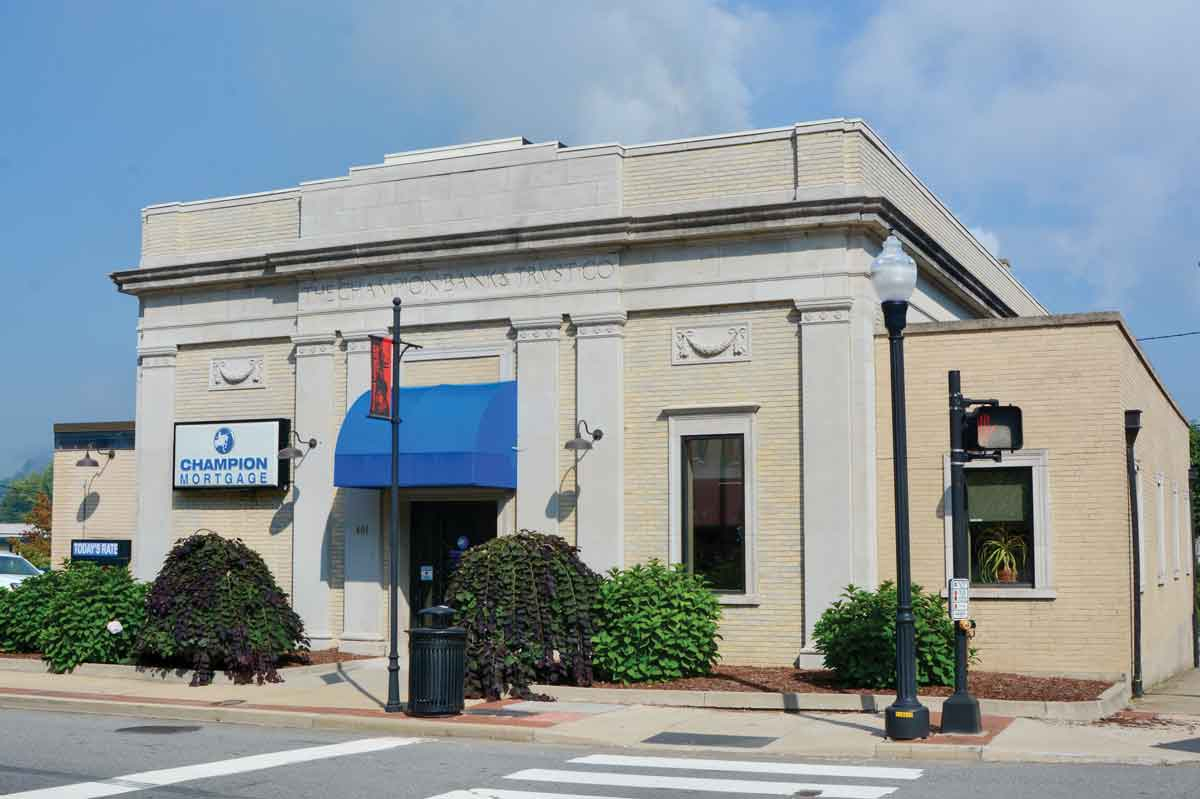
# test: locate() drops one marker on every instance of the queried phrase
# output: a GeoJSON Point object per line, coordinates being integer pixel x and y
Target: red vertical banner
{"type": "Point", "coordinates": [381, 378]}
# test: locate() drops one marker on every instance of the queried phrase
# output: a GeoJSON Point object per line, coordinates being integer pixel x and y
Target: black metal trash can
{"type": "Point", "coordinates": [437, 665]}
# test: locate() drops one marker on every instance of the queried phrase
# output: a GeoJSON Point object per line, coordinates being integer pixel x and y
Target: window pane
{"type": "Point", "coordinates": [714, 510]}
{"type": "Point", "coordinates": [1000, 509]}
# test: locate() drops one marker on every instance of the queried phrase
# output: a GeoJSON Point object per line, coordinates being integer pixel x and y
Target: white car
{"type": "Point", "coordinates": [14, 569]}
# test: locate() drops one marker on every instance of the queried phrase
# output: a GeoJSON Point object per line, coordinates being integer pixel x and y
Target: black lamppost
{"type": "Point", "coordinates": [894, 274]}
{"type": "Point", "coordinates": [393, 700]}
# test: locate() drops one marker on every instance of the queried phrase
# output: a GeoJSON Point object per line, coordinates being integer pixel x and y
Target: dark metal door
{"type": "Point", "coordinates": [441, 532]}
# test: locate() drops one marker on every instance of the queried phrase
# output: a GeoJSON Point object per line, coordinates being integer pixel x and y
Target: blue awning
{"type": "Point", "coordinates": [450, 435]}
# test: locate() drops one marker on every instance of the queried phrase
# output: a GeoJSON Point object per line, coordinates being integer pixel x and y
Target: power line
{"type": "Point", "coordinates": [1172, 335]}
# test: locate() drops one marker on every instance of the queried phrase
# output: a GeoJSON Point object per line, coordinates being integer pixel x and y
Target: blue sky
{"type": "Point", "coordinates": [1063, 133]}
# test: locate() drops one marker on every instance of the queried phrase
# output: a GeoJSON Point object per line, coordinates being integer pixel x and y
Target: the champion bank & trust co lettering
{"type": "Point", "coordinates": [448, 283]}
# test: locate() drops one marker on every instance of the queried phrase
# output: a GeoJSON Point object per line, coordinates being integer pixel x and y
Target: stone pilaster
{"type": "Point", "coordinates": [537, 423]}
{"type": "Point", "coordinates": [312, 485]}
{"type": "Point", "coordinates": [600, 401]}
{"type": "Point", "coordinates": [155, 426]}
{"type": "Point", "coordinates": [838, 547]}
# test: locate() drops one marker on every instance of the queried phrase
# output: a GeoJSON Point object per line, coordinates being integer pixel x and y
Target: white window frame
{"type": "Point", "coordinates": [1161, 525]}
{"type": "Point", "coordinates": [1189, 551]}
{"type": "Point", "coordinates": [1037, 461]}
{"type": "Point", "coordinates": [1141, 522]}
{"type": "Point", "coordinates": [715, 420]}
{"type": "Point", "coordinates": [1175, 528]}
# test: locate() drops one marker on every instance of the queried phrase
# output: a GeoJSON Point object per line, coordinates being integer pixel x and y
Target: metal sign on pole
{"type": "Point", "coordinates": [960, 599]}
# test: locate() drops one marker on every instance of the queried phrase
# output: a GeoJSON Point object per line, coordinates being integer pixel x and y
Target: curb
{"type": "Point", "coordinates": [272, 718]}
{"type": "Point", "coordinates": [1113, 699]}
{"type": "Point", "coordinates": [884, 750]}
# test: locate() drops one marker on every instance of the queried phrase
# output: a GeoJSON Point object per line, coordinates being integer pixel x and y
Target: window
{"type": "Point", "coordinates": [1160, 518]}
{"type": "Point", "coordinates": [712, 496]}
{"type": "Point", "coordinates": [1008, 526]}
{"type": "Point", "coordinates": [714, 509]}
{"type": "Point", "coordinates": [1000, 527]}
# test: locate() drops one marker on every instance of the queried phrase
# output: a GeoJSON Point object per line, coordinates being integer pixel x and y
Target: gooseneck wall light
{"type": "Point", "coordinates": [894, 274]}
{"type": "Point", "coordinates": [291, 453]}
{"type": "Point", "coordinates": [88, 462]}
{"type": "Point", "coordinates": [581, 444]}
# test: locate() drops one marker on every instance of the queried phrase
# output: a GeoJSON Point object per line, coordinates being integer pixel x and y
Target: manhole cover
{"type": "Point", "coordinates": [332, 679]}
{"type": "Point", "coordinates": [705, 739]}
{"type": "Point", "coordinates": [160, 729]}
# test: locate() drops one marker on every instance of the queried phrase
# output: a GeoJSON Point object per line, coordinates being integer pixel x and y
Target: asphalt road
{"type": "Point", "coordinates": [60, 756]}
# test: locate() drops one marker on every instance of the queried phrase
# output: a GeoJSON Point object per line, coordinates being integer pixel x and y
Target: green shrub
{"type": "Point", "coordinates": [84, 601]}
{"type": "Point", "coordinates": [655, 623]}
{"type": "Point", "coordinates": [215, 605]}
{"type": "Point", "coordinates": [526, 602]}
{"type": "Point", "coordinates": [857, 636]}
{"type": "Point", "coordinates": [23, 612]}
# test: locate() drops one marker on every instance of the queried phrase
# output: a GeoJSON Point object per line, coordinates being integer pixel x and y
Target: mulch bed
{"type": "Point", "coordinates": [21, 655]}
{"type": "Point", "coordinates": [783, 679]}
{"type": "Point", "coordinates": [320, 657]}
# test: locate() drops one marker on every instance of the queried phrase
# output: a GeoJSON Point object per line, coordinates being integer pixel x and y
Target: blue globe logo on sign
{"type": "Point", "coordinates": [223, 441]}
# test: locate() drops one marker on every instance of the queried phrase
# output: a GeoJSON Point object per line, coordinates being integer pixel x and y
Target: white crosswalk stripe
{"type": "Point", "coordinates": [837, 781]}
{"type": "Point", "coordinates": [712, 785]}
{"type": "Point", "coordinates": [752, 767]}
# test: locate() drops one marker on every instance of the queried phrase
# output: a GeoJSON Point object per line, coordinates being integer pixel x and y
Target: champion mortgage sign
{"type": "Point", "coordinates": [227, 454]}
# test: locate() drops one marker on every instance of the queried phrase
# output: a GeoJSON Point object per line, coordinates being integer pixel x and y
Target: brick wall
{"type": "Point", "coordinates": [1161, 453]}
{"type": "Point", "coordinates": [262, 518]}
{"type": "Point", "coordinates": [451, 370]}
{"type": "Point", "coordinates": [222, 225]}
{"type": "Point", "coordinates": [1068, 380]}
{"type": "Point", "coordinates": [111, 507]}
{"type": "Point", "coordinates": [770, 633]}
{"type": "Point", "coordinates": [566, 420]}
{"type": "Point", "coordinates": [681, 175]}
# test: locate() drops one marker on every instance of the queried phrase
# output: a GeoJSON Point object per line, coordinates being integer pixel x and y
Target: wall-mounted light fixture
{"type": "Point", "coordinates": [88, 462]}
{"type": "Point", "coordinates": [581, 444]}
{"type": "Point", "coordinates": [293, 452]}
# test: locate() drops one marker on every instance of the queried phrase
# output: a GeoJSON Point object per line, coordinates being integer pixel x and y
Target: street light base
{"type": "Point", "coordinates": [906, 723]}
{"type": "Point", "coordinates": [960, 715]}
{"type": "Point", "coordinates": [393, 703]}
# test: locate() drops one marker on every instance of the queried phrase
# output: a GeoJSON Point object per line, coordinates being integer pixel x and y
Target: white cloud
{"type": "Point", "coordinates": [988, 239]}
{"type": "Point", "coordinates": [1075, 120]}
{"type": "Point", "coordinates": [580, 72]}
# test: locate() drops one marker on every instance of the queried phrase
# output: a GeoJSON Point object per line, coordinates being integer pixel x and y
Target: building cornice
{"type": "Point", "coordinates": [873, 213]}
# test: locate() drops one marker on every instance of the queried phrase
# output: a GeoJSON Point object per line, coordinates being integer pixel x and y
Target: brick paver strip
{"type": "Point", "coordinates": [549, 719]}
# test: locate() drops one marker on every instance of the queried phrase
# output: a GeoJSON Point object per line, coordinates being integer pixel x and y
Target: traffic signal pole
{"type": "Point", "coordinates": [960, 712]}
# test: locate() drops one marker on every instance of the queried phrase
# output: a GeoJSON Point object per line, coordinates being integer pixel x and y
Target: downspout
{"type": "Point", "coordinates": [1193, 480]}
{"type": "Point", "coordinates": [1133, 425]}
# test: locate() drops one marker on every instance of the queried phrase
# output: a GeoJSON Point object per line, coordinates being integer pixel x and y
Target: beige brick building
{"type": "Point", "coordinates": [1073, 377]}
{"type": "Point", "coordinates": [706, 303]}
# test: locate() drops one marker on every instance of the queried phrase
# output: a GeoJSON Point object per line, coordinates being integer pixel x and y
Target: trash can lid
{"type": "Point", "coordinates": [441, 615]}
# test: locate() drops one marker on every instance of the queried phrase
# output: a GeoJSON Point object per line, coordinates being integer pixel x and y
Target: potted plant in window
{"type": "Point", "coordinates": [1002, 555]}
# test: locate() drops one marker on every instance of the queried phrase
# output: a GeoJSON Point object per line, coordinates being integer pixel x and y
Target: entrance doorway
{"type": "Point", "coordinates": [441, 531]}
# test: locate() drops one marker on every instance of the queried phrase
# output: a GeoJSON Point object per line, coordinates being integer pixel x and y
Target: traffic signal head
{"type": "Point", "coordinates": [993, 427]}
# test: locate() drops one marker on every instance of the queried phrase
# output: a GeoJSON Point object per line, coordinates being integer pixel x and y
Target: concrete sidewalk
{"type": "Point", "coordinates": [1179, 695]}
{"type": "Point", "coordinates": [352, 695]}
